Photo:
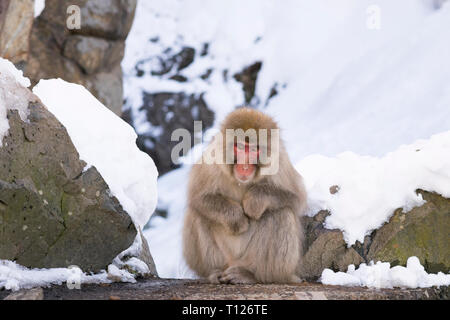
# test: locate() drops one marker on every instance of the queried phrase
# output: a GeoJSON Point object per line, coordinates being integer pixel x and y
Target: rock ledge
{"type": "Point", "coordinates": [196, 290]}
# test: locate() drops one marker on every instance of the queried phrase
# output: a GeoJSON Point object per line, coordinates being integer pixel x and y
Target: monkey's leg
{"type": "Point", "coordinates": [201, 251]}
{"type": "Point", "coordinates": [237, 275]}
{"type": "Point", "coordinates": [273, 253]}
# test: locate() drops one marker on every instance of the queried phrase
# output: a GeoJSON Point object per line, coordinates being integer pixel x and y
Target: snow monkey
{"type": "Point", "coordinates": [242, 225]}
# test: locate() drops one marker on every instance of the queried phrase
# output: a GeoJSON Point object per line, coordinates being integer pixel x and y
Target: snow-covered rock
{"type": "Point", "coordinates": [55, 212]}
{"type": "Point", "coordinates": [371, 188]}
{"type": "Point", "coordinates": [56, 209]}
{"type": "Point", "coordinates": [106, 142]}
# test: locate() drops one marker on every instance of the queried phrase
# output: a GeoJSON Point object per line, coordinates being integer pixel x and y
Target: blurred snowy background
{"type": "Point", "coordinates": [350, 75]}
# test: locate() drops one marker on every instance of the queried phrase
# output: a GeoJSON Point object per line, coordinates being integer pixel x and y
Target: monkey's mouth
{"type": "Point", "coordinates": [244, 172]}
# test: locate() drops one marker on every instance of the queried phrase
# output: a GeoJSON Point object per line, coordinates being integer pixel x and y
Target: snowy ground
{"type": "Point", "coordinates": [360, 84]}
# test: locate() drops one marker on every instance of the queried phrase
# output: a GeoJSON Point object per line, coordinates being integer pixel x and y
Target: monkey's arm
{"type": "Point", "coordinates": [262, 197]}
{"type": "Point", "coordinates": [216, 207]}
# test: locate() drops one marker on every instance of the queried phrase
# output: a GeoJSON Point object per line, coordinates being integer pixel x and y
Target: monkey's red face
{"type": "Point", "coordinates": [247, 157]}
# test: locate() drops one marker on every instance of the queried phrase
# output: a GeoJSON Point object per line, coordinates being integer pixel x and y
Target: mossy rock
{"type": "Point", "coordinates": [423, 232]}
{"type": "Point", "coordinates": [54, 212]}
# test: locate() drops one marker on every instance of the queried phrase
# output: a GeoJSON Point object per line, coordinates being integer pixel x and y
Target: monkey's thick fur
{"type": "Point", "coordinates": [245, 233]}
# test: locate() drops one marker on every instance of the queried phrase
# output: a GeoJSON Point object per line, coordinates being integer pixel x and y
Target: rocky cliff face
{"type": "Point", "coordinates": [45, 47]}
{"type": "Point", "coordinates": [16, 21]}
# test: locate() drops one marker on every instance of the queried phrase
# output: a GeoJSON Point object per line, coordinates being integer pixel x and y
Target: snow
{"type": "Point", "coordinates": [373, 74]}
{"type": "Point", "coordinates": [354, 102]}
{"type": "Point", "coordinates": [120, 275]}
{"type": "Point", "coordinates": [107, 142]}
{"type": "Point", "coordinates": [8, 70]}
{"type": "Point", "coordinates": [164, 235]}
{"type": "Point", "coordinates": [39, 6]}
{"type": "Point", "coordinates": [381, 275]}
{"type": "Point", "coordinates": [13, 95]}
{"type": "Point", "coordinates": [372, 188]}
{"type": "Point", "coordinates": [15, 277]}
{"type": "Point", "coordinates": [377, 91]}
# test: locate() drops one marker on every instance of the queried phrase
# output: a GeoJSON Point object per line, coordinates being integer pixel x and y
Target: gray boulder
{"type": "Point", "coordinates": [53, 212]}
{"type": "Point", "coordinates": [325, 248]}
{"type": "Point", "coordinates": [16, 20]}
{"type": "Point", "coordinates": [422, 232]}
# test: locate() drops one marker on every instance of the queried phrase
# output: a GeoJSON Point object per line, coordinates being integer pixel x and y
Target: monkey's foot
{"type": "Point", "coordinates": [296, 280]}
{"type": "Point", "coordinates": [215, 276]}
{"type": "Point", "coordinates": [237, 275]}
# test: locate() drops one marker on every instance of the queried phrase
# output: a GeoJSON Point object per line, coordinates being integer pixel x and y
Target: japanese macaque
{"type": "Point", "coordinates": [242, 223]}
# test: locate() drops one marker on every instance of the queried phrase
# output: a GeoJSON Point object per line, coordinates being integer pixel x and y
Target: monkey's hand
{"type": "Point", "coordinates": [236, 222]}
{"type": "Point", "coordinates": [263, 197]}
{"type": "Point", "coordinates": [225, 211]}
{"type": "Point", "coordinates": [255, 203]}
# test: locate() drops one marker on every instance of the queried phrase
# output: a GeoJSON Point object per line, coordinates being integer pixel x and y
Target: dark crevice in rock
{"type": "Point", "coordinates": [248, 78]}
{"type": "Point", "coordinates": [205, 50]}
{"type": "Point", "coordinates": [167, 112]}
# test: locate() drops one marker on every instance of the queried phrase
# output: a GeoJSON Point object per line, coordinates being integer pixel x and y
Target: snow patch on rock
{"type": "Point", "coordinates": [106, 142]}
{"type": "Point", "coordinates": [372, 188]}
{"type": "Point", "coordinates": [13, 95]}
